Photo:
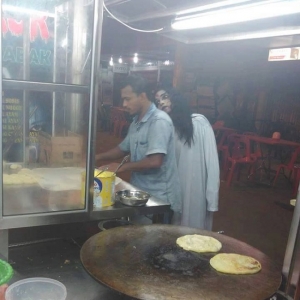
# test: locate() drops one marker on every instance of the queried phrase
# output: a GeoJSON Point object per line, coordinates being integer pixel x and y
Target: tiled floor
{"type": "Point", "coordinates": [248, 211]}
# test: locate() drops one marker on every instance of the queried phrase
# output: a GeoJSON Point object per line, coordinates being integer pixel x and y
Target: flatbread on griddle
{"type": "Point", "coordinates": [231, 263]}
{"type": "Point", "coordinates": [199, 243]}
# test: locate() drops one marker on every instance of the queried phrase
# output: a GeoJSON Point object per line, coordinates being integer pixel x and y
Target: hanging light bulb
{"type": "Point", "coordinates": [135, 58]}
{"type": "Point", "coordinates": [120, 60]}
{"type": "Point", "coordinates": [111, 62]}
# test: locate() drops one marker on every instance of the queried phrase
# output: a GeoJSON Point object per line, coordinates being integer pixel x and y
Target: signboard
{"type": "Point", "coordinates": [284, 54]}
{"type": "Point", "coordinates": [119, 68]}
{"type": "Point", "coordinates": [12, 125]}
{"type": "Point", "coordinates": [37, 33]}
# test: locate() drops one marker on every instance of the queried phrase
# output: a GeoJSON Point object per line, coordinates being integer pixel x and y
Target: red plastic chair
{"type": "Point", "coordinates": [222, 145]}
{"type": "Point", "coordinates": [289, 166]}
{"type": "Point", "coordinates": [118, 121]}
{"type": "Point", "coordinates": [239, 154]}
{"type": "Point", "coordinates": [256, 153]}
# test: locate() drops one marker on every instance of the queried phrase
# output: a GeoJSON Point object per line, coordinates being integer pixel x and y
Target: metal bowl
{"type": "Point", "coordinates": [132, 197]}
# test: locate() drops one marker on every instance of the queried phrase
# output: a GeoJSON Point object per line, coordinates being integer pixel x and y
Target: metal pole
{"type": "Point", "coordinates": [94, 87]}
{"type": "Point", "coordinates": [3, 233]}
{"type": "Point", "coordinates": [26, 76]}
{"type": "Point", "coordinates": [158, 71]}
{"type": "Point", "coordinates": [54, 72]}
{"type": "Point", "coordinates": [1, 135]}
{"type": "Point", "coordinates": [292, 252]}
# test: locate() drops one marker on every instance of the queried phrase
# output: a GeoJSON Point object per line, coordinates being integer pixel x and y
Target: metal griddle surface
{"type": "Point", "coordinates": [144, 262]}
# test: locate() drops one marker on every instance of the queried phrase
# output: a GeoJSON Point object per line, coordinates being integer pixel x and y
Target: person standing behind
{"type": "Point", "coordinates": [150, 142]}
{"type": "Point", "coordinates": [197, 160]}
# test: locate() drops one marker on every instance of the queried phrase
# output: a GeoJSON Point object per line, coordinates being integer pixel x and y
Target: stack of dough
{"type": "Point", "coordinates": [25, 176]}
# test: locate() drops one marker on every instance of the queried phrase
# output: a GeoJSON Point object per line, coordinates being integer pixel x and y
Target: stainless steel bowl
{"type": "Point", "coordinates": [132, 197]}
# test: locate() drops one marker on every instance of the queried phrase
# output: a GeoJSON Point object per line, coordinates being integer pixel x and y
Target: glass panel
{"type": "Point", "coordinates": [43, 171]}
{"type": "Point", "coordinates": [47, 40]}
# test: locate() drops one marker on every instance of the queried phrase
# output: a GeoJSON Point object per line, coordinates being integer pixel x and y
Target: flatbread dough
{"type": "Point", "coordinates": [199, 243]}
{"type": "Point", "coordinates": [20, 178]}
{"type": "Point", "coordinates": [231, 263]}
{"type": "Point", "coordinates": [15, 166]}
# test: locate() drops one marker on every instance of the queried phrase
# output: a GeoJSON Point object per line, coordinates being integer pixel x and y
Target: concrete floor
{"type": "Point", "coordinates": [248, 211]}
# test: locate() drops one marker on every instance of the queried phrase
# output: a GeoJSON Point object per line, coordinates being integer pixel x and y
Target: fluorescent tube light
{"type": "Point", "coordinates": [263, 10]}
{"type": "Point", "coordinates": [24, 10]}
{"type": "Point", "coordinates": [211, 6]}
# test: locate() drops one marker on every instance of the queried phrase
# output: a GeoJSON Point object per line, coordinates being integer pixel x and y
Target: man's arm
{"type": "Point", "coordinates": [153, 161]}
{"type": "Point", "coordinates": [158, 138]}
{"type": "Point", "coordinates": [112, 154]}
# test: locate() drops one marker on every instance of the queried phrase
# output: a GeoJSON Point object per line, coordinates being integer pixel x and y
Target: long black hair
{"type": "Point", "coordinates": [181, 116]}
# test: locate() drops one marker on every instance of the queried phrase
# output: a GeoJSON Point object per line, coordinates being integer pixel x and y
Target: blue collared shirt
{"type": "Point", "coordinates": [155, 134]}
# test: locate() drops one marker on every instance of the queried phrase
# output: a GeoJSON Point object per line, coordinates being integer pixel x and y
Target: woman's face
{"type": "Point", "coordinates": [163, 101]}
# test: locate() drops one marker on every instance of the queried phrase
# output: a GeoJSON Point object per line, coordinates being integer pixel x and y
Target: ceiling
{"type": "Point", "coordinates": [154, 14]}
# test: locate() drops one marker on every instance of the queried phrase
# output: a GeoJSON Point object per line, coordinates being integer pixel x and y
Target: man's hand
{"type": "Point", "coordinates": [153, 161]}
{"type": "Point", "coordinates": [3, 289]}
{"type": "Point", "coordinates": [112, 154]}
{"type": "Point", "coordinates": [111, 167]}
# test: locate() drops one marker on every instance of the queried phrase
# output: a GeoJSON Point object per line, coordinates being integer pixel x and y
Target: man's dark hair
{"type": "Point", "coordinates": [138, 84]}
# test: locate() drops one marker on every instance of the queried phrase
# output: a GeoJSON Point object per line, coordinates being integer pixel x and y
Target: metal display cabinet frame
{"type": "Point", "coordinates": [28, 220]}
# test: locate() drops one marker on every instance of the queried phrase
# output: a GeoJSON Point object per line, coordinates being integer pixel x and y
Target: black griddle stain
{"type": "Point", "coordinates": [175, 259]}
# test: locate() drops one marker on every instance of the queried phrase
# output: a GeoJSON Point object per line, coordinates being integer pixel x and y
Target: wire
{"type": "Point", "coordinates": [132, 28]}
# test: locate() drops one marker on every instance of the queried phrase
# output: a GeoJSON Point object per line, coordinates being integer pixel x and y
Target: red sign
{"type": "Point", "coordinates": [38, 27]}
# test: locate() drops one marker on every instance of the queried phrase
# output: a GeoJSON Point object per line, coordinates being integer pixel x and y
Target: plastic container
{"type": "Point", "coordinates": [104, 188]}
{"type": "Point", "coordinates": [36, 289]}
{"type": "Point", "coordinates": [6, 272]}
{"type": "Point", "coordinates": [109, 224]}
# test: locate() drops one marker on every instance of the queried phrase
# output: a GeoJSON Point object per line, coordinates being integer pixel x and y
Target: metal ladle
{"type": "Point", "coordinates": [121, 164]}
{"type": "Point", "coordinates": [101, 171]}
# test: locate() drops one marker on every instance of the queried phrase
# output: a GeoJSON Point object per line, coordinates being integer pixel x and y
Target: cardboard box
{"type": "Point", "coordinates": [64, 150]}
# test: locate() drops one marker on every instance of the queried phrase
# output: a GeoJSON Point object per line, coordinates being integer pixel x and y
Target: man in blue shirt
{"type": "Point", "coordinates": [150, 142]}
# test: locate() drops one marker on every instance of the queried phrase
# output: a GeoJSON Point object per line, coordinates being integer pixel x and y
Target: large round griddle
{"type": "Point", "coordinates": [144, 262]}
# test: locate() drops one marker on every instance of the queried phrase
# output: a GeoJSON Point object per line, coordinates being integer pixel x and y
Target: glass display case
{"type": "Point", "coordinates": [50, 83]}
{"type": "Point", "coordinates": [50, 57]}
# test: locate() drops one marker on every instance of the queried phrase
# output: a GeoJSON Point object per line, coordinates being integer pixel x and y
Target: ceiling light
{"type": "Point", "coordinates": [135, 58]}
{"type": "Point", "coordinates": [64, 43]}
{"type": "Point", "coordinates": [262, 10]}
{"type": "Point", "coordinates": [24, 10]}
{"type": "Point", "coordinates": [167, 63]}
{"type": "Point", "coordinates": [211, 6]}
{"type": "Point", "coordinates": [120, 60]}
{"type": "Point", "coordinates": [111, 62]}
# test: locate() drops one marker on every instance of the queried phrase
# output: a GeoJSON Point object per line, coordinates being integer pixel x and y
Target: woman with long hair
{"type": "Point", "coordinates": [197, 159]}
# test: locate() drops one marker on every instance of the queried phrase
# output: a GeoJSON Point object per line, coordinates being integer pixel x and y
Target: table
{"type": "Point", "coordinates": [154, 206]}
{"type": "Point", "coordinates": [222, 128]}
{"type": "Point", "coordinates": [271, 142]}
{"type": "Point", "coordinates": [125, 259]}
